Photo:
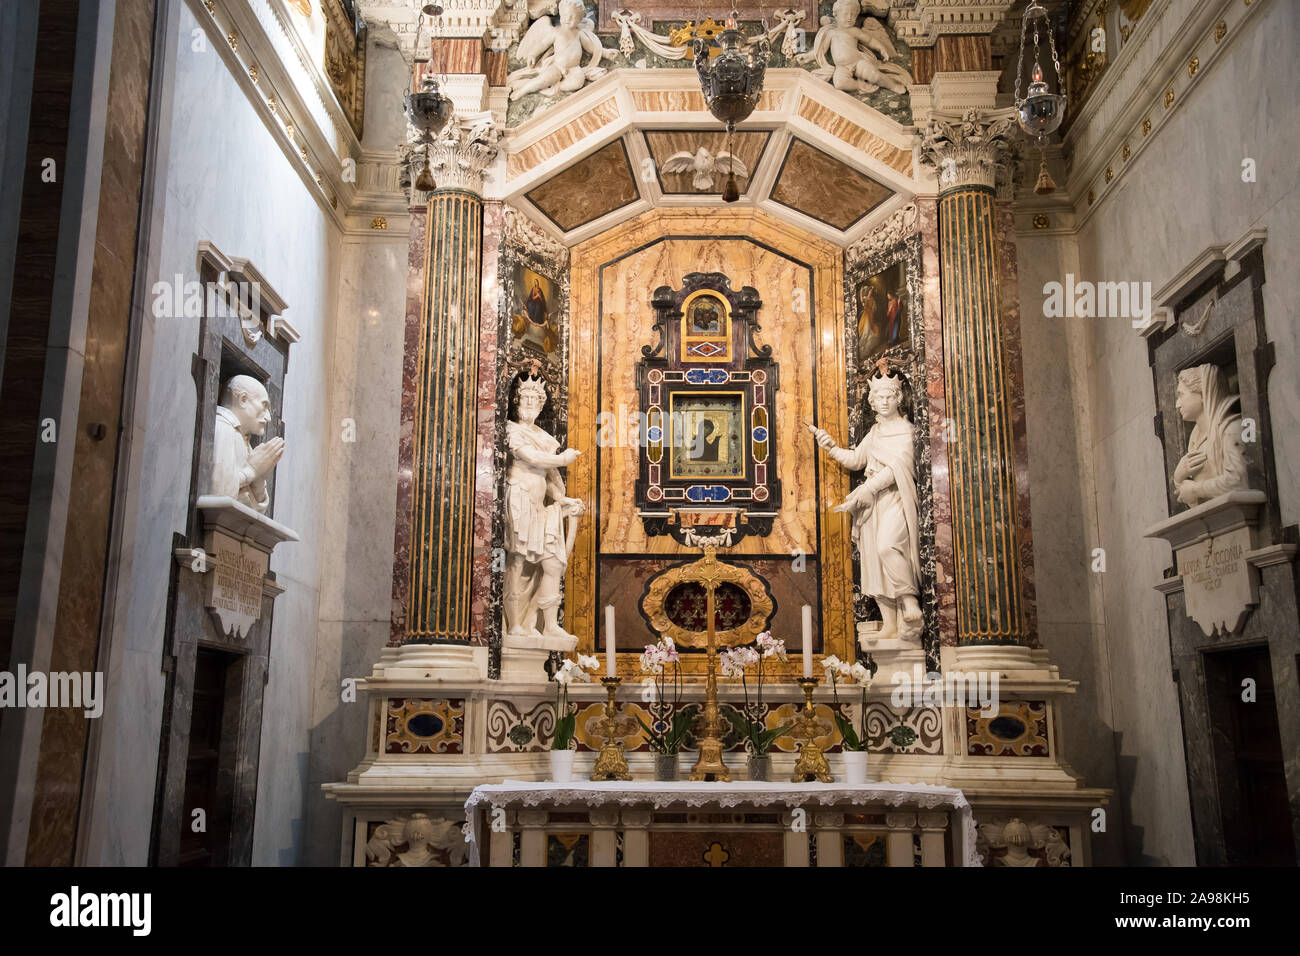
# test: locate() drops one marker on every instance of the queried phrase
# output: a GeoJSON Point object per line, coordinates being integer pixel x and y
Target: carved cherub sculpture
{"type": "Point", "coordinates": [239, 470]}
{"type": "Point", "coordinates": [560, 71]}
{"type": "Point", "coordinates": [537, 548]}
{"type": "Point", "coordinates": [854, 65]}
{"type": "Point", "coordinates": [417, 842]}
{"type": "Point", "coordinates": [1215, 462]}
{"type": "Point", "coordinates": [884, 510]}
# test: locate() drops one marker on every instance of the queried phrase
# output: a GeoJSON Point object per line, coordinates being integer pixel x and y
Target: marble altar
{"type": "Point", "coordinates": [812, 821]}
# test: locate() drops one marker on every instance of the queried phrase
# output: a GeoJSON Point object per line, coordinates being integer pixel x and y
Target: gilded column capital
{"type": "Point", "coordinates": [968, 149]}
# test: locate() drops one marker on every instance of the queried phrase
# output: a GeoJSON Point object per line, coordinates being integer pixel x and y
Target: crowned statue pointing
{"type": "Point", "coordinates": [536, 511]}
{"type": "Point", "coordinates": [884, 510]}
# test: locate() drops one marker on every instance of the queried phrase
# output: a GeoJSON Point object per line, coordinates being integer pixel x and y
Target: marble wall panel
{"type": "Point", "coordinates": [589, 189]}
{"type": "Point", "coordinates": [823, 188]}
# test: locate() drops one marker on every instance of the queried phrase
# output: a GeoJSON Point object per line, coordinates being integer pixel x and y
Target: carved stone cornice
{"type": "Point", "coordinates": [922, 22]}
{"type": "Point", "coordinates": [522, 233]}
{"type": "Point", "coordinates": [475, 19]}
{"type": "Point", "coordinates": [968, 149]}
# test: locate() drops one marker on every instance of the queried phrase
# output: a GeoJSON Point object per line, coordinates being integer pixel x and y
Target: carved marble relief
{"type": "Point", "coordinates": [345, 60]}
{"type": "Point", "coordinates": [557, 48]}
{"type": "Point", "coordinates": [416, 841]}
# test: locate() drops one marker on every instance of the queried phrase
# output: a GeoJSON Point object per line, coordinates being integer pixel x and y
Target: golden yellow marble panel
{"type": "Point", "coordinates": [604, 112]}
{"type": "Point", "coordinates": [675, 101]}
{"type": "Point", "coordinates": [607, 331]}
{"type": "Point", "coordinates": [856, 136]}
{"type": "Point", "coordinates": [625, 325]}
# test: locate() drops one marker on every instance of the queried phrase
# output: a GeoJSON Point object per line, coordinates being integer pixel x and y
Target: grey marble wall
{"type": "Point", "coordinates": [1096, 464]}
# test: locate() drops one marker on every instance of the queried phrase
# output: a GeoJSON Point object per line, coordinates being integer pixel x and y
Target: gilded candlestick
{"type": "Point", "coordinates": [611, 764]}
{"type": "Point", "coordinates": [811, 764]}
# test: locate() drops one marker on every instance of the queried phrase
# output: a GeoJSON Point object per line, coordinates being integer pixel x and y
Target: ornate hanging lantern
{"type": "Point", "coordinates": [1040, 112]}
{"type": "Point", "coordinates": [732, 81]}
{"type": "Point", "coordinates": [430, 109]}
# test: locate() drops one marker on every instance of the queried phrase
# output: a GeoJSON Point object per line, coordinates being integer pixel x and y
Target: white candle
{"type": "Point", "coordinates": [609, 640]}
{"type": "Point", "coordinates": [807, 640]}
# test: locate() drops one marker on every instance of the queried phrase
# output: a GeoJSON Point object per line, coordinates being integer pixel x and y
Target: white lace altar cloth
{"type": "Point", "coordinates": [661, 794]}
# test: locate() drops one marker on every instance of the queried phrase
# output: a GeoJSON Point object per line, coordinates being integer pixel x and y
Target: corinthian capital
{"type": "Point", "coordinates": [458, 156]}
{"type": "Point", "coordinates": [967, 149]}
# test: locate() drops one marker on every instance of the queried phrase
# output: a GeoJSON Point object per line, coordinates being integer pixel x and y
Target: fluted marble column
{"type": "Point", "coordinates": [966, 151]}
{"type": "Point", "coordinates": [441, 517]}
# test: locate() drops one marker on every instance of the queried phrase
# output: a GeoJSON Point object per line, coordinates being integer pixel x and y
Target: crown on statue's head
{"type": "Point", "coordinates": [532, 385]}
{"type": "Point", "coordinates": [885, 379]}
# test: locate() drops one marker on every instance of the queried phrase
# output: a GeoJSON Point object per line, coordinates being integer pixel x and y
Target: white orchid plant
{"type": "Point", "coordinates": [669, 721]}
{"type": "Point", "coordinates": [566, 716]}
{"type": "Point", "coordinates": [859, 674]}
{"type": "Point", "coordinates": [749, 725]}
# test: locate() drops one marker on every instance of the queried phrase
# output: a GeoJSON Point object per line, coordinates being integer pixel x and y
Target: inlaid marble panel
{"type": "Point", "coordinates": [589, 189]}
{"type": "Point", "coordinates": [419, 725]}
{"type": "Point", "coordinates": [823, 188]}
{"type": "Point", "coordinates": [1019, 729]}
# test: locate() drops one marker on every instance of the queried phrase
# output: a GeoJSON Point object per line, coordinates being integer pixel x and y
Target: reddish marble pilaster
{"type": "Point", "coordinates": [485, 489]}
{"type": "Point", "coordinates": [415, 257]}
{"type": "Point", "coordinates": [945, 593]}
{"type": "Point", "coordinates": [1009, 297]}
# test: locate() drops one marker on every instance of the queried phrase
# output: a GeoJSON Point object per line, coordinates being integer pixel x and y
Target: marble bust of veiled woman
{"type": "Point", "coordinates": [1214, 463]}
{"type": "Point", "coordinates": [884, 510]}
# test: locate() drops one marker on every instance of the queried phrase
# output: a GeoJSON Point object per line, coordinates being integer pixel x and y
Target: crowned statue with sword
{"type": "Point", "coordinates": [541, 523]}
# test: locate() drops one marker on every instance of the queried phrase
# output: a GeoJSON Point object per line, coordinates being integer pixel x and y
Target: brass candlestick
{"type": "Point", "coordinates": [811, 764]}
{"type": "Point", "coordinates": [612, 762]}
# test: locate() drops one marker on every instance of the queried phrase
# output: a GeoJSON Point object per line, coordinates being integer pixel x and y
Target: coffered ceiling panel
{"type": "Point", "coordinates": [592, 187]}
{"type": "Point", "coordinates": [824, 188]}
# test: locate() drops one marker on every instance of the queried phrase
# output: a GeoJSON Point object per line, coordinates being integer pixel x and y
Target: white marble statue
{"type": "Point", "coordinates": [239, 470]}
{"type": "Point", "coordinates": [1214, 463]}
{"type": "Point", "coordinates": [561, 71]}
{"type": "Point", "coordinates": [859, 56]}
{"type": "Point", "coordinates": [537, 548]}
{"type": "Point", "coordinates": [884, 510]}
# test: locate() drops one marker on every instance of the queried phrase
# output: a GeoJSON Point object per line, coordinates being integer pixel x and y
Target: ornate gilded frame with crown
{"type": "Point", "coordinates": [708, 572]}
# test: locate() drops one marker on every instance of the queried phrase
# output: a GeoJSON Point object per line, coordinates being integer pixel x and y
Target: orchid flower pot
{"type": "Point", "coordinates": [760, 767]}
{"type": "Point", "coordinates": [562, 765]}
{"type": "Point", "coordinates": [854, 763]}
{"type": "Point", "coordinates": [666, 766]}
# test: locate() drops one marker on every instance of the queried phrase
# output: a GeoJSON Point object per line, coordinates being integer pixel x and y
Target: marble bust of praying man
{"type": "Point", "coordinates": [537, 548]}
{"type": "Point", "coordinates": [239, 470]}
{"type": "Point", "coordinates": [1214, 463]}
{"type": "Point", "coordinates": [884, 510]}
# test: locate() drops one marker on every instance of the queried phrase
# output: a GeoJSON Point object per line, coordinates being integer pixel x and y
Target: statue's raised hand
{"type": "Point", "coordinates": [823, 439]}
{"type": "Point", "coordinates": [568, 456]}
